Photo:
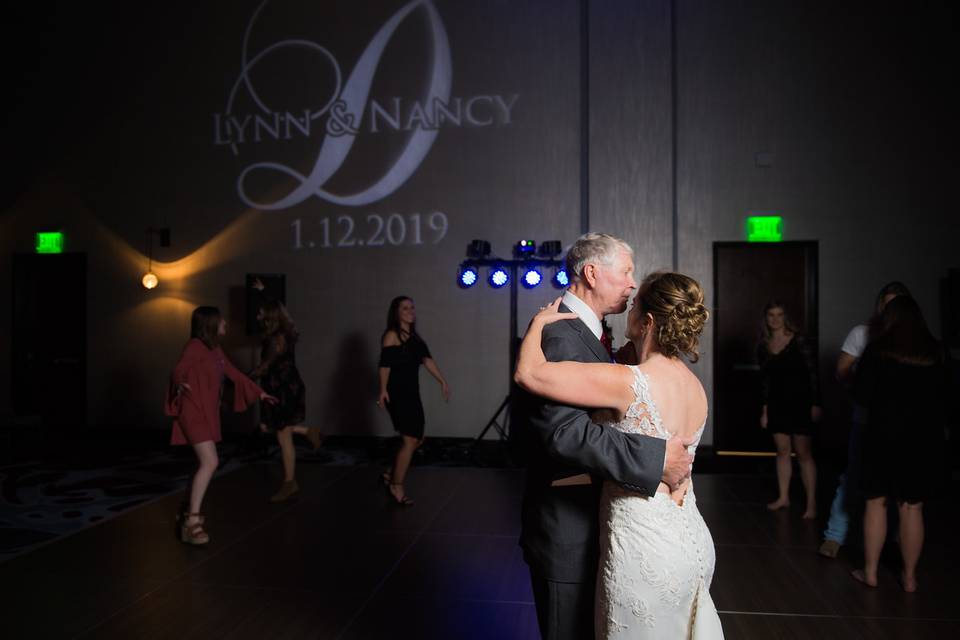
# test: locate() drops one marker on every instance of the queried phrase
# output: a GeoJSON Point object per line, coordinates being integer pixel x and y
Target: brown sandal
{"type": "Point", "coordinates": [193, 534]}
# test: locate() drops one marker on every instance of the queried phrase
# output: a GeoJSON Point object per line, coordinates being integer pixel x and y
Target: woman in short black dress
{"type": "Point", "coordinates": [902, 383]}
{"type": "Point", "coordinates": [278, 375]}
{"type": "Point", "coordinates": [402, 353]}
{"type": "Point", "coordinates": [791, 403]}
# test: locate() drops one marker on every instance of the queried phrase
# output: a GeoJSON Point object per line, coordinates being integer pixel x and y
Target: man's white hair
{"type": "Point", "coordinates": [593, 248]}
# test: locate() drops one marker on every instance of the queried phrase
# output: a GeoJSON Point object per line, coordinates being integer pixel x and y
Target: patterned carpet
{"type": "Point", "coordinates": [53, 486]}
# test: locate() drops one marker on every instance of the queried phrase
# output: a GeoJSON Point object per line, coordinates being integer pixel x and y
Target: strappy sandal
{"type": "Point", "coordinates": [405, 501]}
{"type": "Point", "coordinates": [193, 534]}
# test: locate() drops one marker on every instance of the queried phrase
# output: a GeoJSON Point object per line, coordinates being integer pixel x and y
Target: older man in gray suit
{"type": "Point", "coordinates": [569, 455]}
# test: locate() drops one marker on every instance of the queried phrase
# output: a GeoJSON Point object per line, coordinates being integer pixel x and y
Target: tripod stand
{"type": "Point", "coordinates": [502, 424]}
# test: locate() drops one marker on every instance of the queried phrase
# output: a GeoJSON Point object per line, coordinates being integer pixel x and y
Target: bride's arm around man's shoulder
{"type": "Point", "coordinates": [589, 385]}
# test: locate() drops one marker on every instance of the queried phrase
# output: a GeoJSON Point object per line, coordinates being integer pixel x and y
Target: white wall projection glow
{"type": "Point", "coordinates": [336, 122]}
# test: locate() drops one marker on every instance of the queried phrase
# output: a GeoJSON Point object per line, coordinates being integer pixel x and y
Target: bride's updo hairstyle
{"type": "Point", "coordinates": [676, 303]}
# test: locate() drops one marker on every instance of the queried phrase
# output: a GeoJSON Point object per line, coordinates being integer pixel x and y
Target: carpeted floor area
{"type": "Point", "coordinates": [80, 481]}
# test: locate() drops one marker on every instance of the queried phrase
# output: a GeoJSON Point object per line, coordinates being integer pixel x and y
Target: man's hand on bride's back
{"type": "Point", "coordinates": [676, 466]}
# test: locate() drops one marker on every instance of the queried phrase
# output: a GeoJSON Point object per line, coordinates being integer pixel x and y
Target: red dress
{"type": "Point", "coordinates": [196, 413]}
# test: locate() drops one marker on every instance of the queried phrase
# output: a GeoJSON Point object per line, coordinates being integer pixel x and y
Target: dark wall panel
{"type": "Point", "coordinates": [630, 130]}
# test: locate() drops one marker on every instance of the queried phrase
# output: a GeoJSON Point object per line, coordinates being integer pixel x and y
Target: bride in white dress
{"type": "Point", "coordinates": [656, 553]}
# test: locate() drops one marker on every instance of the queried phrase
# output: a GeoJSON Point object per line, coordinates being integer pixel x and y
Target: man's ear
{"type": "Point", "coordinates": [590, 274]}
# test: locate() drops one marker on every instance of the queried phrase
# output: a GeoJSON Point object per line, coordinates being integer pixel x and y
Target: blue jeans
{"type": "Point", "coordinates": [848, 489]}
{"type": "Point", "coordinates": [839, 522]}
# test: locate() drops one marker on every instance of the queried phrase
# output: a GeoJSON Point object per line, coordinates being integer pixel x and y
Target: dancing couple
{"type": "Point", "coordinates": [611, 531]}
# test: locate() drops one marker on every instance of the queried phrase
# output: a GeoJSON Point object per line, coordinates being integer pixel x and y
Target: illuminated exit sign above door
{"type": "Point", "coordinates": [49, 242]}
{"type": "Point", "coordinates": [764, 229]}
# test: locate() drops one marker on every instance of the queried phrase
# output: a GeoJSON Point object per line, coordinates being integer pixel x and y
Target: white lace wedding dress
{"type": "Point", "coordinates": [656, 558]}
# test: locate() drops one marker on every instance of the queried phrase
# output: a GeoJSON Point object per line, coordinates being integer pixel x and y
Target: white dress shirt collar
{"type": "Point", "coordinates": [585, 313]}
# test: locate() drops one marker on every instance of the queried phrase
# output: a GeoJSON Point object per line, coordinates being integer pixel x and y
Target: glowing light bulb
{"type": "Point", "coordinates": [150, 280]}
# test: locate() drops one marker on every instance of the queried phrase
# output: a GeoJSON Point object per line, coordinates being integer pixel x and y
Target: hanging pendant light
{"type": "Point", "coordinates": [149, 279]}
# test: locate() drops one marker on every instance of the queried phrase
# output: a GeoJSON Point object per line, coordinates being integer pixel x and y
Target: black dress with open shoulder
{"type": "Point", "coordinates": [403, 385]}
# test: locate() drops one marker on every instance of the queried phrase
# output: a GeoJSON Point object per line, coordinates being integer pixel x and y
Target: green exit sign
{"type": "Point", "coordinates": [49, 242]}
{"type": "Point", "coordinates": [764, 229]}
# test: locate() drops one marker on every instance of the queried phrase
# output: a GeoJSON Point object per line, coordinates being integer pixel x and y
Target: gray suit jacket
{"type": "Point", "coordinates": [559, 534]}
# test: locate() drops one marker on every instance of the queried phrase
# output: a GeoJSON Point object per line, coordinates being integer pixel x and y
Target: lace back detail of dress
{"type": "Point", "coordinates": [643, 416]}
{"type": "Point", "coordinates": [656, 557]}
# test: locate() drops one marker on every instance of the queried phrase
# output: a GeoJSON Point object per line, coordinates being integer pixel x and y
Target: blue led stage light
{"type": "Point", "coordinates": [560, 279]}
{"type": "Point", "coordinates": [531, 278]}
{"type": "Point", "coordinates": [468, 277]}
{"type": "Point", "coordinates": [499, 277]}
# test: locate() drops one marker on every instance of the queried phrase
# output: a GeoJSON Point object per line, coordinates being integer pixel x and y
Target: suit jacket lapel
{"type": "Point", "coordinates": [587, 336]}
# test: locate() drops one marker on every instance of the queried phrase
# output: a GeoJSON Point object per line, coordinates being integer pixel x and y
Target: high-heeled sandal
{"type": "Point", "coordinates": [404, 501]}
{"type": "Point", "coordinates": [193, 534]}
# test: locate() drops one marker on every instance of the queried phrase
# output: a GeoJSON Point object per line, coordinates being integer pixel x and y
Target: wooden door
{"type": "Point", "coordinates": [746, 277]}
{"type": "Point", "coordinates": [50, 338]}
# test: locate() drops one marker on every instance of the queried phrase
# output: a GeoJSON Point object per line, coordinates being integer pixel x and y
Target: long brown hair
{"type": "Point", "coordinates": [393, 318]}
{"type": "Point", "coordinates": [275, 319]}
{"type": "Point", "coordinates": [205, 326]}
{"type": "Point", "coordinates": [903, 334]}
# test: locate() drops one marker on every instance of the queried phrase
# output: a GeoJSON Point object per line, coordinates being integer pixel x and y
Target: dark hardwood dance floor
{"type": "Point", "coordinates": [340, 562]}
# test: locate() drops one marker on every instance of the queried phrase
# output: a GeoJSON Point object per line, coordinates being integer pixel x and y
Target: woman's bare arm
{"type": "Point", "coordinates": [572, 383]}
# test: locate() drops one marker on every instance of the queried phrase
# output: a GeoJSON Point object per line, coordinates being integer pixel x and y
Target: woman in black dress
{"type": "Point", "coordinates": [791, 403]}
{"type": "Point", "coordinates": [278, 375]}
{"type": "Point", "coordinates": [902, 383]}
{"type": "Point", "coordinates": [402, 353]}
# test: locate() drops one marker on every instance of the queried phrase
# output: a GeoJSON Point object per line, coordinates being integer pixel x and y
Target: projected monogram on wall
{"type": "Point", "coordinates": [347, 112]}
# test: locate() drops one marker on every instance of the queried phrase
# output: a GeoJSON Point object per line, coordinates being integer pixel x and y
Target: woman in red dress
{"type": "Point", "coordinates": [193, 400]}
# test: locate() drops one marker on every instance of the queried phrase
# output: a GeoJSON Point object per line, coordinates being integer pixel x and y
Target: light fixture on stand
{"type": "Point", "coordinates": [532, 278]}
{"type": "Point", "coordinates": [467, 277]}
{"type": "Point", "coordinates": [505, 274]}
{"type": "Point", "coordinates": [499, 277]}
{"type": "Point", "coordinates": [560, 279]}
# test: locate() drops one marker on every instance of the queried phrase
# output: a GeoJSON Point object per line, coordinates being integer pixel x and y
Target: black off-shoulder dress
{"type": "Point", "coordinates": [403, 385]}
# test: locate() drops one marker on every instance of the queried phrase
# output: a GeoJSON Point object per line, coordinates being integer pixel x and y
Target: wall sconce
{"type": "Point", "coordinates": [150, 279]}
